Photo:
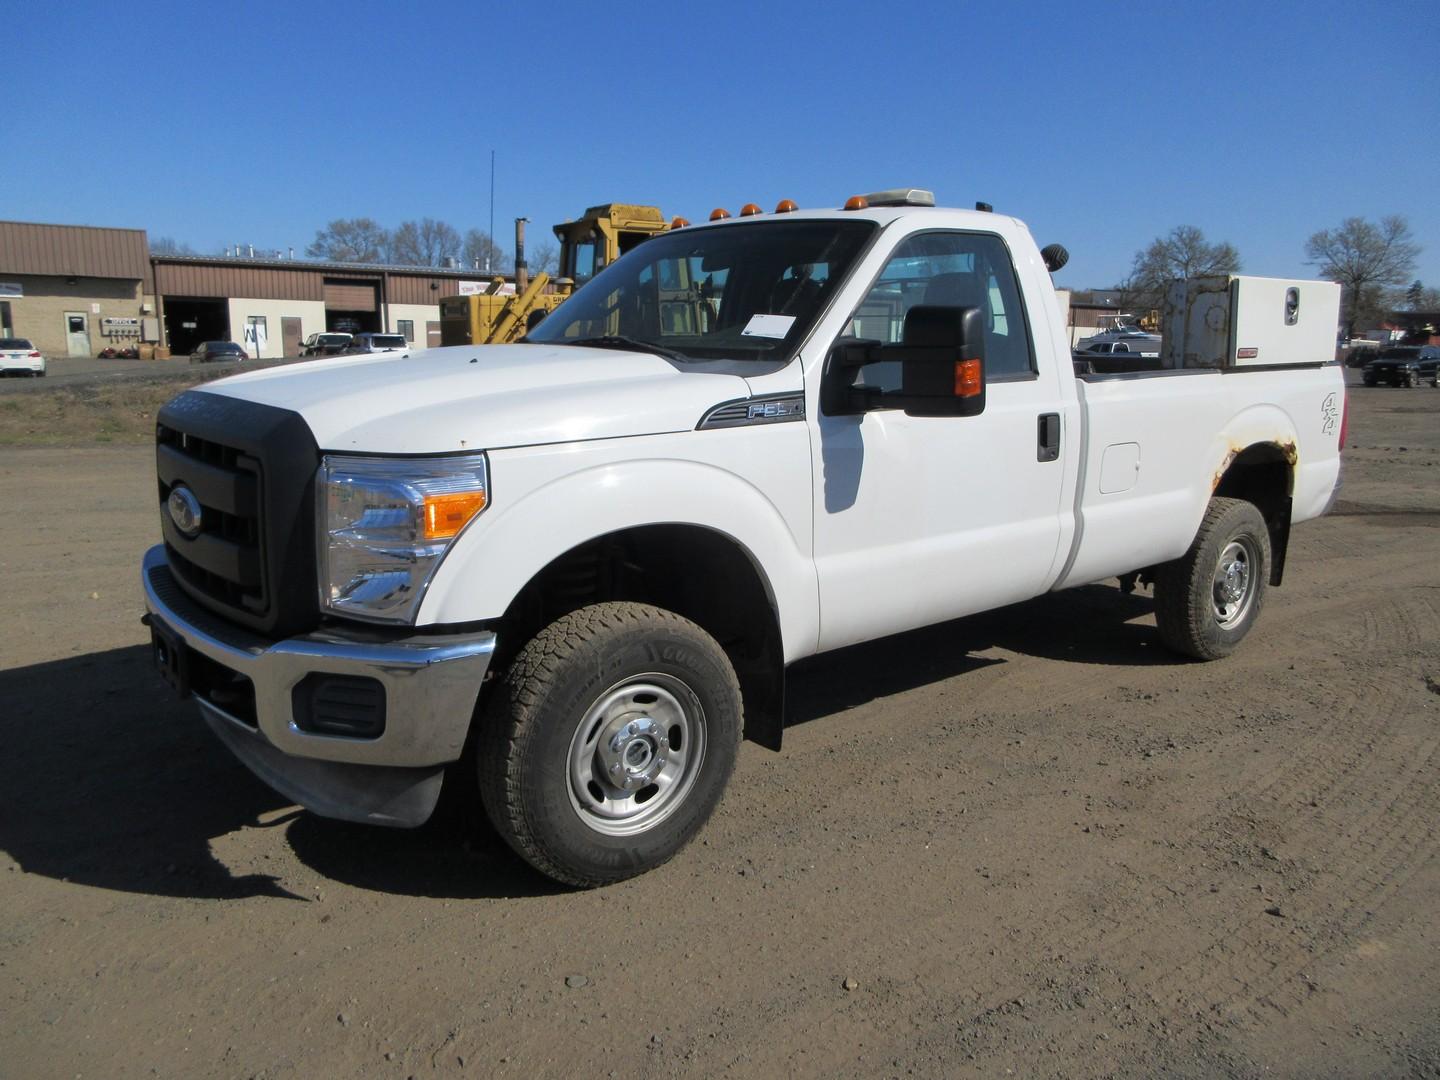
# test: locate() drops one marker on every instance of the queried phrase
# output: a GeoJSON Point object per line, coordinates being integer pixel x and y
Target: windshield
{"type": "Point", "coordinates": [748, 291]}
{"type": "Point", "coordinates": [388, 341]}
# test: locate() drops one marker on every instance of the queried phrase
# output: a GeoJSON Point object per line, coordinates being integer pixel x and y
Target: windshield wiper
{"type": "Point", "coordinates": [620, 341]}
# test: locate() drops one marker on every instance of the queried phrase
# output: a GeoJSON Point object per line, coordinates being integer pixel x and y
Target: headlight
{"type": "Point", "coordinates": [385, 524]}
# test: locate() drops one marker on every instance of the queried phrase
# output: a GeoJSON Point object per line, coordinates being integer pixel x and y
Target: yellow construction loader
{"type": "Point", "coordinates": [500, 314]}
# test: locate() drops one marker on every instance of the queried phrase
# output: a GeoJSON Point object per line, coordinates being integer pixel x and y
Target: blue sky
{"type": "Point", "coordinates": [1100, 125]}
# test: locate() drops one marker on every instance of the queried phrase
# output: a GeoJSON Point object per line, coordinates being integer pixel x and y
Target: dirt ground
{"type": "Point", "coordinates": [1031, 843]}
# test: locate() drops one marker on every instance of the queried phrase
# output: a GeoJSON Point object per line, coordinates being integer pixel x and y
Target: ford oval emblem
{"type": "Point", "coordinates": [184, 510]}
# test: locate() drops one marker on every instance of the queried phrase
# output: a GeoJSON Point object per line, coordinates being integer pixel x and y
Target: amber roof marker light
{"type": "Point", "coordinates": [786, 206]}
{"type": "Point", "coordinates": [679, 223]}
{"type": "Point", "coordinates": [719, 214]}
{"type": "Point", "coordinates": [750, 210]}
{"type": "Point", "coordinates": [856, 202]}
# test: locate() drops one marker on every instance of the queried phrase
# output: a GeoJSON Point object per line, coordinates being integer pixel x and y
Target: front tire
{"type": "Point", "coordinates": [1207, 600]}
{"type": "Point", "coordinates": [609, 742]}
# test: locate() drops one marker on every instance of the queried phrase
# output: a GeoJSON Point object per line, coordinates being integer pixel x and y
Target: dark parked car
{"type": "Point", "coordinates": [328, 343]}
{"type": "Point", "coordinates": [376, 343]}
{"type": "Point", "coordinates": [207, 351]}
{"type": "Point", "coordinates": [1404, 365]}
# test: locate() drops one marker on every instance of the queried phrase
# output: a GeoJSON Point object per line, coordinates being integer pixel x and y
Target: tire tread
{"type": "Point", "coordinates": [513, 712]}
{"type": "Point", "coordinates": [1182, 614]}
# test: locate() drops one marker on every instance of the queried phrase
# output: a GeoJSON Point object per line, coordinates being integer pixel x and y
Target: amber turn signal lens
{"type": "Point", "coordinates": [856, 202]}
{"type": "Point", "coordinates": [446, 515]}
{"type": "Point", "coordinates": [719, 214]}
{"type": "Point", "coordinates": [967, 378]}
{"type": "Point", "coordinates": [679, 223]}
{"type": "Point", "coordinates": [786, 206]}
{"type": "Point", "coordinates": [749, 210]}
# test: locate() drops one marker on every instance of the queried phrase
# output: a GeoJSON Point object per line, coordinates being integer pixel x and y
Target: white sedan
{"type": "Point", "coordinates": [19, 357]}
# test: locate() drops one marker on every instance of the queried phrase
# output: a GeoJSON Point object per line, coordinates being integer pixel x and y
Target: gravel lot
{"type": "Point", "coordinates": [1028, 843]}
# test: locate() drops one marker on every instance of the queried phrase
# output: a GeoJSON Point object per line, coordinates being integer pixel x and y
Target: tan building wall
{"type": "Point", "coordinates": [311, 314]}
{"type": "Point", "coordinates": [419, 314]}
{"type": "Point", "coordinates": [40, 314]}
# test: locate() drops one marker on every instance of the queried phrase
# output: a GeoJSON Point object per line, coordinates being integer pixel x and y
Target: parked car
{"type": "Point", "coordinates": [1360, 355]}
{"type": "Point", "coordinates": [1404, 365]}
{"type": "Point", "coordinates": [375, 343]}
{"type": "Point", "coordinates": [19, 357]}
{"type": "Point", "coordinates": [1107, 344]}
{"type": "Point", "coordinates": [207, 351]}
{"type": "Point", "coordinates": [329, 343]}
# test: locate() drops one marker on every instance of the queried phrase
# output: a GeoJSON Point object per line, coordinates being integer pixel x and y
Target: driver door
{"type": "Point", "coordinates": [922, 519]}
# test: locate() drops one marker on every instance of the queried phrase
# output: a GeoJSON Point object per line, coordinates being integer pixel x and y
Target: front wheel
{"type": "Point", "coordinates": [609, 742]}
{"type": "Point", "coordinates": [1207, 600]}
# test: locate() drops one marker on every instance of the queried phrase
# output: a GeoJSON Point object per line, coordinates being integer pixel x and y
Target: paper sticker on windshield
{"type": "Point", "coordinates": [771, 326]}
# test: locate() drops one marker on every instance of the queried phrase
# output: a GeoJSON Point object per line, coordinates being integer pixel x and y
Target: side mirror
{"type": "Point", "coordinates": [534, 319]}
{"type": "Point", "coordinates": [941, 368]}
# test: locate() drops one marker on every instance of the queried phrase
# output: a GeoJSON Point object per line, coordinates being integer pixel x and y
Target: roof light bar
{"type": "Point", "coordinates": [908, 196]}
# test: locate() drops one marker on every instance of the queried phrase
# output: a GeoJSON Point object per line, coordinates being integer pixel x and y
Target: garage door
{"type": "Point", "coordinates": [350, 296]}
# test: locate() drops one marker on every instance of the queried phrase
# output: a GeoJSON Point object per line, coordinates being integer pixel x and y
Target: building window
{"type": "Point", "coordinates": [7, 328]}
{"type": "Point", "coordinates": [407, 327]}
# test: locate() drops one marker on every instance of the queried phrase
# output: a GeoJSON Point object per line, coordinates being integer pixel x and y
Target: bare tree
{"type": "Point", "coordinates": [1183, 254]}
{"type": "Point", "coordinates": [168, 245]}
{"type": "Point", "coordinates": [482, 253]}
{"type": "Point", "coordinates": [1367, 260]}
{"type": "Point", "coordinates": [426, 242]}
{"type": "Point", "coordinates": [543, 257]}
{"type": "Point", "coordinates": [359, 240]}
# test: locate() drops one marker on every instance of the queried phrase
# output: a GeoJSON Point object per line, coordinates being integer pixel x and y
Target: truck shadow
{"type": "Point", "coordinates": [110, 781]}
{"type": "Point", "coordinates": [1089, 625]}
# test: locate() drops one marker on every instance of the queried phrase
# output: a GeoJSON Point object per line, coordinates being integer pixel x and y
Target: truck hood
{"type": "Point", "coordinates": [485, 398]}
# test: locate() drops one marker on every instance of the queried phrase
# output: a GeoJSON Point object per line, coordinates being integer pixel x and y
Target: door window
{"type": "Point", "coordinates": [953, 270]}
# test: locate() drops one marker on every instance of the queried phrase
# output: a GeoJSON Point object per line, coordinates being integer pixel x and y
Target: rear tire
{"type": "Point", "coordinates": [609, 742]}
{"type": "Point", "coordinates": [1207, 600]}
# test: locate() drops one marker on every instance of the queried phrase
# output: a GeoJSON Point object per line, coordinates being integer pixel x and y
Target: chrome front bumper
{"type": "Point", "coordinates": [431, 683]}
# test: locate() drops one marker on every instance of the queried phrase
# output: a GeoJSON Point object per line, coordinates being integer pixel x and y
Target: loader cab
{"type": "Point", "coordinates": [602, 235]}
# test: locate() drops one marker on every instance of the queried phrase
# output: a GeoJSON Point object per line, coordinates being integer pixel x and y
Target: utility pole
{"type": "Point", "coordinates": [492, 212]}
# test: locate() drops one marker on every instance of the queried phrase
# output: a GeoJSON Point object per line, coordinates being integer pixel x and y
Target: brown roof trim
{"type": "Point", "coordinates": [339, 269]}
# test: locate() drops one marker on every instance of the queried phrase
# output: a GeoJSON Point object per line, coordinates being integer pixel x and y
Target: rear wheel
{"type": "Point", "coordinates": [609, 742]}
{"type": "Point", "coordinates": [1207, 600]}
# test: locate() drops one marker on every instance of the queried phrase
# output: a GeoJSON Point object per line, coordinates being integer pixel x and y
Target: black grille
{"type": "Point", "coordinates": [251, 468]}
{"type": "Point", "coordinates": [226, 559]}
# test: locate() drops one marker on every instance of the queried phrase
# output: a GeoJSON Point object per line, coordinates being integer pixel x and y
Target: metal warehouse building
{"type": "Point", "coordinates": [75, 290]}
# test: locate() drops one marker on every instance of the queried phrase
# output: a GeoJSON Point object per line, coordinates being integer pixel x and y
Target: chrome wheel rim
{"type": "Point", "coordinates": [635, 754]}
{"type": "Point", "coordinates": [1232, 591]}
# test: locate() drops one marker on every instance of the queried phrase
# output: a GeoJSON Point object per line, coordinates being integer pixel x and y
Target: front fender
{"type": "Point", "coordinates": [513, 541]}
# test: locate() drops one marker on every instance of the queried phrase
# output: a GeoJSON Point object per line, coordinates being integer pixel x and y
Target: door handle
{"type": "Point", "coordinates": [1048, 437]}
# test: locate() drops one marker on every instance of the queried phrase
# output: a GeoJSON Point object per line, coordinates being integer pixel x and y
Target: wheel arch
{"type": "Point", "coordinates": [730, 598]}
{"type": "Point", "coordinates": [1263, 474]}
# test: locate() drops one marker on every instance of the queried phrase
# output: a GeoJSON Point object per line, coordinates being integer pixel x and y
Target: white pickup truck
{"type": "Point", "coordinates": [574, 570]}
